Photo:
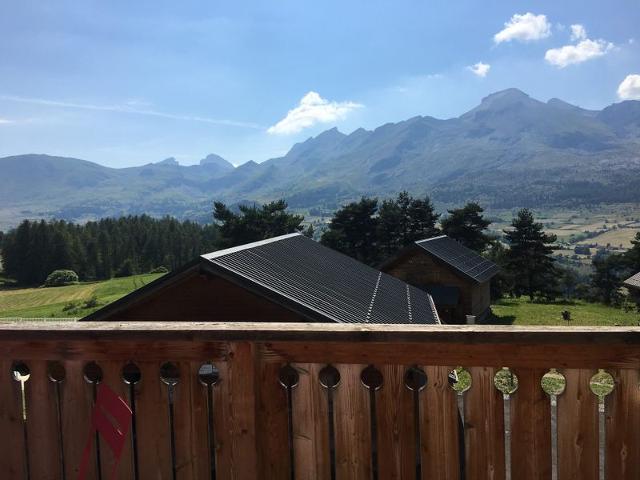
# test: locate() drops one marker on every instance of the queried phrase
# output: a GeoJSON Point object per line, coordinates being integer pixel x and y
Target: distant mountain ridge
{"type": "Point", "coordinates": [510, 150]}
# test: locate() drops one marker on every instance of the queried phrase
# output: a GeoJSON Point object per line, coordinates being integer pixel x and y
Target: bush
{"type": "Point", "coordinates": [91, 302]}
{"type": "Point", "coordinates": [58, 278]}
{"type": "Point", "coordinates": [160, 269]}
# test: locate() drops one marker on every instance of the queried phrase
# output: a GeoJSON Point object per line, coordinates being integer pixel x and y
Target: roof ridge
{"type": "Point", "coordinates": [246, 246]}
{"type": "Point", "coordinates": [433, 238]}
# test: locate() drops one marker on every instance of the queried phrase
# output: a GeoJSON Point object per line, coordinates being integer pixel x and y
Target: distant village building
{"type": "Point", "coordinates": [289, 278]}
{"type": "Point", "coordinates": [458, 279]}
{"type": "Point", "coordinates": [633, 284]}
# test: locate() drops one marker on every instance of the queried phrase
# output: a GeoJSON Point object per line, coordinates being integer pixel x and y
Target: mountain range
{"type": "Point", "coordinates": [511, 150]}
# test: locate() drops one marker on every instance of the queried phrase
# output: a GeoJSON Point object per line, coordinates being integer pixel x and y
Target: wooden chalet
{"type": "Point", "coordinates": [457, 278]}
{"type": "Point", "coordinates": [289, 278]}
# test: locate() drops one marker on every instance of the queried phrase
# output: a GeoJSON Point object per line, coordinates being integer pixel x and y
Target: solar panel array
{"type": "Point", "coordinates": [633, 281]}
{"type": "Point", "coordinates": [328, 282]}
{"type": "Point", "coordinates": [461, 258]}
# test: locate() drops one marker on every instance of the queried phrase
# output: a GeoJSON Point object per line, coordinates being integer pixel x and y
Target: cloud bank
{"type": "Point", "coordinates": [311, 110]}
{"type": "Point", "coordinates": [525, 28]}
{"type": "Point", "coordinates": [585, 49]}
{"type": "Point", "coordinates": [629, 89]}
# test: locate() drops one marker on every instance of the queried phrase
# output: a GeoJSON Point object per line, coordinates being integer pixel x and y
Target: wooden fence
{"type": "Point", "coordinates": [319, 401]}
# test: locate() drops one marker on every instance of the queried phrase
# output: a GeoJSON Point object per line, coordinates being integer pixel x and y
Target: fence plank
{"type": "Point", "coordinates": [439, 427]}
{"type": "Point", "coordinates": [396, 428]}
{"type": "Point", "coordinates": [273, 420]}
{"type": "Point", "coordinates": [484, 426]}
{"type": "Point", "coordinates": [235, 414]}
{"type": "Point", "coordinates": [578, 428]}
{"type": "Point", "coordinates": [12, 447]}
{"type": "Point", "coordinates": [112, 378]}
{"type": "Point", "coordinates": [310, 425]}
{"type": "Point", "coordinates": [192, 429]}
{"type": "Point", "coordinates": [623, 427]}
{"type": "Point", "coordinates": [530, 427]}
{"type": "Point", "coordinates": [42, 424]}
{"type": "Point", "coordinates": [153, 430]}
{"type": "Point", "coordinates": [352, 425]}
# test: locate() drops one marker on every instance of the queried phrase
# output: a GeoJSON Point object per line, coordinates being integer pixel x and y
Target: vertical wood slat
{"type": "Point", "coordinates": [190, 424]}
{"type": "Point", "coordinates": [152, 411]}
{"type": "Point", "coordinates": [112, 378]}
{"type": "Point", "coordinates": [439, 427]}
{"type": "Point", "coordinates": [396, 428]}
{"type": "Point", "coordinates": [12, 448]}
{"type": "Point", "coordinates": [484, 426]}
{"type": "Point", "coordinates": [623, 426]}
{"type": "Point", "coordinates": [530, 427]}
{"type": "Point", "coordinates": [310, 424]}
{"type": "Point", "coordinates": [578, 428]}
{"type": "Point", "coordinates": [77, 405]}
{"type": "Point", "coordinates": [42, 424]}
{"type": "Point", "coordinates": [235, 414]}
{"type": "Point", "coordinates": [352, 425]}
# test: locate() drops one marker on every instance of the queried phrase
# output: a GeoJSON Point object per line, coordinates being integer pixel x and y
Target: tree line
{"type": "Point", "coordinates": [102, 249]}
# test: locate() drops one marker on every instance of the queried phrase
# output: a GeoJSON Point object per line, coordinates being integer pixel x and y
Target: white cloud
{"type": "Point", "coordinates": [629, 89]}
{"type": "Point", "coordinates": [524, 27]}
{"type": "Point", "coordinates": [578, 32]}
{"type": "Point", "coordinates": [4, 121]}
{"type": "Point", "coordinates": [130, 108]}
{"type": "Point", "coordinates": [581, 52]}
{"type": "Point", "coordinates": [311, 110]}
{"type": "Point", "coordinates": [480, 69]}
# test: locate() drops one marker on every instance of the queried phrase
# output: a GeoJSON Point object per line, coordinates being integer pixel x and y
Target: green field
{"type": "Point", "coordinates": [520, 311]}
{"type": "Point", "coordinates": [71, 301]}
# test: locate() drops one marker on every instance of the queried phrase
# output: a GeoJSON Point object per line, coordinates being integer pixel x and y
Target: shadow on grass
{"type": "Point", "coordinates": [494, 319]}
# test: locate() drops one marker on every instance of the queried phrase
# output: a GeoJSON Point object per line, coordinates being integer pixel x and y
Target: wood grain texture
{"type": "Point", "coordinates": [273, 421]}
{"type": "Point", "coordinates": [12, 447]}
{"type": "Point", "coordinates": [235, 414]}
{"type": "Point", "coordinates": [77, 405]}
{"type": "Point", "coordinates": [396, 427]}
{"type": "Point", "coordinates": [152, 412]}
{"type": "Point", "coordinates": [484, 426]}
{"type": "Point", "coordinates": [352, 425]}
{"type": "Point", "coordinates": [42, 424]}
{"type": "Point", "coordinates": [439, 427]}
{"type": "Point", "coordinates": [112, 378]}
{"type": "Point", "coordinates": [578, 427]}
{"type": "Point", "coordinates": [310, 425]}
{"type": "Point", "coordinates": [623, 427]}
{"type": "Point", "coordinates": [530, 427]}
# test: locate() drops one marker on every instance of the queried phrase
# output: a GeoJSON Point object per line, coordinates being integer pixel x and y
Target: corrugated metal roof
{"type": "Point", "coordinates": [331, 284]}
{"type": "Point", "coordinates": [461, 258]}
{"type": "Point", "coordinates": [634, 281]}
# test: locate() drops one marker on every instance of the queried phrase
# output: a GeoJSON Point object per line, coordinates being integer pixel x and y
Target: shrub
{"type": "Point", "coordinates": [58, 278]}
{"type": "Point", "coordinates": [160, 269]}
{"type": "Point", "coordinates": [91, 302]}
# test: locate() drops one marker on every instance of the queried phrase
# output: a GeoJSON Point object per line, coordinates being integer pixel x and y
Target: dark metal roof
{"type": "Point", "coordinates": [464, 260]}
{"type": "Point", "coordinates": [443, 295]}
{"type": "Point", "coordinates": [327, 283]}
{"type": "Point", "coordinates": [634, 281]}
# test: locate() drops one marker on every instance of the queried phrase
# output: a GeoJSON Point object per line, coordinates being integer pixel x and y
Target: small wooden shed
{"type": "Point", "coordinates": [633, 284]}
{"type": "Point", "coordinates": [289, 278]}
{"type": "Point", "coordinates": [457, 278]}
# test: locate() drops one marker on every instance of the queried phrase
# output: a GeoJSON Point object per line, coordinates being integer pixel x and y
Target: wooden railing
{"type": "Point", "coordinates": [271, 401]}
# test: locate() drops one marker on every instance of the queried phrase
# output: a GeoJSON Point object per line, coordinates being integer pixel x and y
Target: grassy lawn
{"type": "Point", "coordinates": [69, 301]}
{"type": "Point", "coordinates": [511, 311]}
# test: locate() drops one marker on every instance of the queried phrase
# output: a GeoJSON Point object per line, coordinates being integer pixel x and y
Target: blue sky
{"type": "Point", "coordinates": [126, 83]}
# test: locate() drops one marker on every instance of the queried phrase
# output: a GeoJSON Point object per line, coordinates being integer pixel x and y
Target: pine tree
{"type": "Point", "coordinates": [468, 226]}
{"type": "Point", "coordinates": [529, 259]}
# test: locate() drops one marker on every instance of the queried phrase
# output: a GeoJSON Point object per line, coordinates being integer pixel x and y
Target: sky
{"type": "Point", "coordinates": [125, 83]}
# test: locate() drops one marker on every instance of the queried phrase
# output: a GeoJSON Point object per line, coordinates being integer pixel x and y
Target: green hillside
{"type": "Point", "coordinates": [72, 301]}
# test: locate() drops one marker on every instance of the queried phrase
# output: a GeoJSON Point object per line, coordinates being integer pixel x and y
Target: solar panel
{"type": "Point", "coordinates": [459, 257]}
{"type": "Point", "coordinates": [332, 284]}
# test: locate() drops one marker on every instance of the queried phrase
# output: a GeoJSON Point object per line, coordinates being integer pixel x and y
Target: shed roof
{"type": "Point", "coordinates": [460, 258]}
{"type": "Point", "coordinates": [633, 281]}
{"type": "Point", "coordinates": [312, 280]}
